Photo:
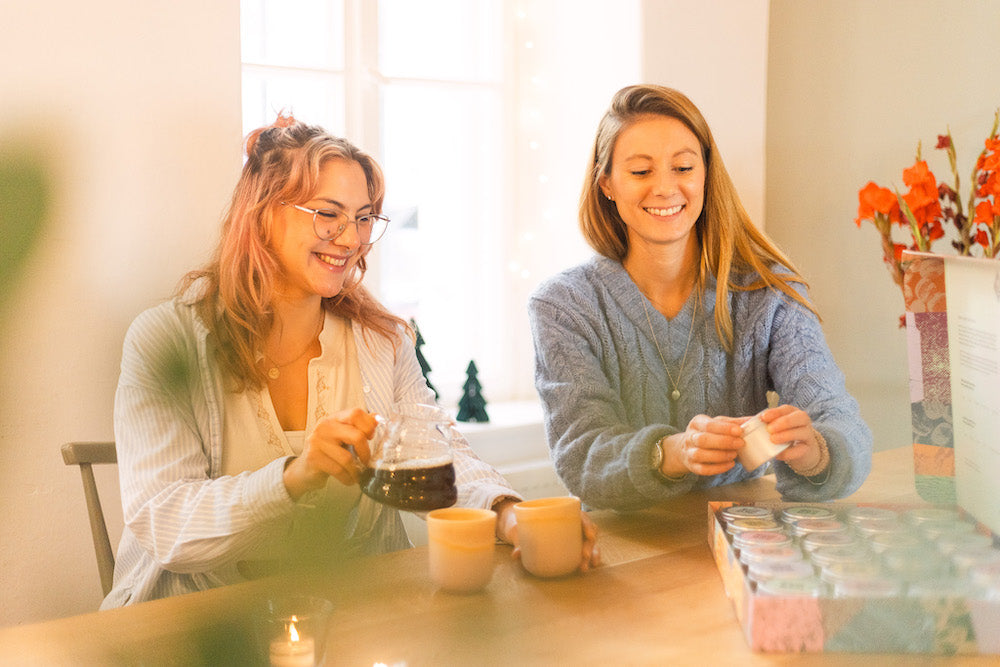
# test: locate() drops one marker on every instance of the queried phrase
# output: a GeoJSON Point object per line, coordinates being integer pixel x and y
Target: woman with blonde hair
{"type": "Point", "coordinates": [650, 356]}
{"type": "Point", "coordinates": [246, 404]}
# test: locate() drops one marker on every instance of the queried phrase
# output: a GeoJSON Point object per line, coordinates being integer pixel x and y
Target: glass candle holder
{"type": "Point", "coordinates": [737, 526]}
{"type": "Point", "coordinates": [963, 559]}
{"type": "Point", "coordinates": [799, 512]}
{"type": "Point", "coordinates": [866, 513]}
{"type": "Point", "coordinates": [805, 587]}
{"type": "Point", "coordinates": [803, 527]}
{"type": "Point", "coordinates": [745, 512]}
{"type": "Point", "coordinates": [768, 570]}
{"type": "Point", "coordinates": [760, 538]}
{"type": "Point", "coordinates": [750, 556]}
{"type": "Point", "coordinates": [813, 541]}
{"type": "Point", "coordinates": [292, 630]}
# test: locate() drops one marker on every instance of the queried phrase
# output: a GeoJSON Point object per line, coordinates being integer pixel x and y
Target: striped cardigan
{"type": "Point", "coordinates": [186, 525]}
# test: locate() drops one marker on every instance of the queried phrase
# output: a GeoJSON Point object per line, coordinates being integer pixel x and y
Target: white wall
{"type": "Point", "coordinates": [715, 52]}
{"type": "Point", "coordinates": [853, 85]}
{"type": "Point", "coordinates": [136, 109]}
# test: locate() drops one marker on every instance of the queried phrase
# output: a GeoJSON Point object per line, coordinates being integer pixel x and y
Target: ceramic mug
{"type": "Point", "coordinates": [460, 543]}
{"type": "Point", "coordinates": [550, 535]}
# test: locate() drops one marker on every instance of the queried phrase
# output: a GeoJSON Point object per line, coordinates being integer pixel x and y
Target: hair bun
{"type": "Point", "coordinates": [284, 121]}
{"type": "Point", "coordinates": [281, 121]}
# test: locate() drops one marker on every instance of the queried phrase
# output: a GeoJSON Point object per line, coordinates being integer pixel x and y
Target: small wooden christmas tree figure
{"type": "Point", "coordinates": [425, 367]}
{"type": "Point", "coordinates": [472, 405]}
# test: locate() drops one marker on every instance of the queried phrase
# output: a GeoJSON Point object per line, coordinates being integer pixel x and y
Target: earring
{"type": "Point", "coordinates": [610, 198]}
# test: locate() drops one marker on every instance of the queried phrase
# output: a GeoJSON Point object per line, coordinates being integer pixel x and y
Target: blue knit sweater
{"type": "Point", "coordinates": [604, 387]}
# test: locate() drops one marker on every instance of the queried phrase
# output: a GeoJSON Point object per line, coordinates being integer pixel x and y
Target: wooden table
{"type": "Point", "coordinates": [658, 599]}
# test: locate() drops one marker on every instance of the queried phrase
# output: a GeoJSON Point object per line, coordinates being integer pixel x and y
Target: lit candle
{"type": "Point", "coordinates": [293, 651]}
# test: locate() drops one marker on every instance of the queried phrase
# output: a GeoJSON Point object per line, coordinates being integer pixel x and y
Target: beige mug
{"type": "Point", "coordinates": [550, 535]}
{"type": "Point", "coordinates": [460, 542]}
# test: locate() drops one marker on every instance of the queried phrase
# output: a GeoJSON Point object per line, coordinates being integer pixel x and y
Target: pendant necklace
{"type": "Point", "coordinates": [274, 372]}
{"type": "Point", "coordinates": [675, 394]}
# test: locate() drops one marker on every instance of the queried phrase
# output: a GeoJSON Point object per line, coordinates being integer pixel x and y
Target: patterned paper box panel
{"type": "Point", "coordinates": [932, 625]}
{"type": "Point", "coordinates": [930, 376]}
{"type": "Point", "coordinates": [733, 578]}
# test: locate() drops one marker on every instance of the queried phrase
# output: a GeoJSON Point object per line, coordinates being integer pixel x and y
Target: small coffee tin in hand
{"type": "Point", "coordinates": [758, 449]}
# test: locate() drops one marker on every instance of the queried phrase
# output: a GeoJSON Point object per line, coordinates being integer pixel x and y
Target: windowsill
{"type": "Point", "coordinates": [514, 434]}
{"type": "Point", "coordinates": [505, 415]}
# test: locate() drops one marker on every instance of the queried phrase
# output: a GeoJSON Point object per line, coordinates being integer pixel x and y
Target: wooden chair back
{"type": "Point", "coordinates": [86, 455]}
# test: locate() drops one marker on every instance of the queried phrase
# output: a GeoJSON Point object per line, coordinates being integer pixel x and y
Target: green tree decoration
{"type": "Point", "coordinates": [472, 405]}
{"type": "Point", "coordinates": [425, 367]}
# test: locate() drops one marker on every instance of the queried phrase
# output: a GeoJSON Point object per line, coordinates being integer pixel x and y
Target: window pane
{"type": "Point", "coordinates": [456, 40]}
{"type": "Point", "coordinates": [293, 33]}
{"type": "Point", "coordinates": [443, 164]}
{"type": "Point", "coordinates": [314, 98]}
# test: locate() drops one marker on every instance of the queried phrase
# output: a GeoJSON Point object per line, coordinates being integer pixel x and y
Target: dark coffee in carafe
{"type": "Point", "coordinates": [415, 486]}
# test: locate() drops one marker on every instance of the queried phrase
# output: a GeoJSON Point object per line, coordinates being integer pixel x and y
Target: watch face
{"type": "Point", "coordinates": [657, 457]}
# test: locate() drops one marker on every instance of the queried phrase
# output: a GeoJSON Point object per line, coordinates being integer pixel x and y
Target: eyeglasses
{"type": "Point", "coordinates": [328, 224]}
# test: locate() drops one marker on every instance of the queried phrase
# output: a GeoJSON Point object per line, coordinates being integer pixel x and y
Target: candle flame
{"type": "Point", "coordinates": [293, 634]}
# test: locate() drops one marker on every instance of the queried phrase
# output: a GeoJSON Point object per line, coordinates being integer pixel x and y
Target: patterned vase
{"type": "Point", "coordinates": [930, 376]}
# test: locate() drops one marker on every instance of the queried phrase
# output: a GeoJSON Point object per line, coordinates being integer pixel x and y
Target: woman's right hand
{"type": "Point", "coordinates": [707, 447]}
{"type": "Point", "coordinates": [326, 452]}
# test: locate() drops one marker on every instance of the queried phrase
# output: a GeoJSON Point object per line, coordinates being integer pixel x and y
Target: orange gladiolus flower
{"type": "Point", "coordinates": [919, 177]}
{"type": "Point", "coordinates": [989, 184]}
{"type": "Point", "coordinates": [986, 210]}
{"type": "Point", "coordinates": [923, 195]}
{"type": "Point", "coordinates": [872, 199]}
{"type": "Point", "coordinates": [990, 160]}
{"type": "Point", "coordinates": [928, 209]}
{"type": "Point", "coordinates": [936, 231]}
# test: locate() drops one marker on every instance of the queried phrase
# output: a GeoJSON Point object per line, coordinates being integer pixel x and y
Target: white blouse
{"type": "Point", "coordinates": [188, 524]}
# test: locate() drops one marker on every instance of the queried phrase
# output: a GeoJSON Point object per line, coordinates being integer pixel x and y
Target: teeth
{"type": "Point", "coordinates": [333, 261]}
{"type": "Point", "coordinates": [666, 211]}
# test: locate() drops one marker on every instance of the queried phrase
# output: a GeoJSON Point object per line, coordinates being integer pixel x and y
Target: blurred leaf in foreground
{"type": "Point", "coordinates": [25, 190]}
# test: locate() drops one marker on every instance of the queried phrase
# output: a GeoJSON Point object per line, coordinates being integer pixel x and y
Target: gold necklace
{"type": "Point", "coordinates": [676, 393]}
{"type": "Point", "coordinates": [274, 372]}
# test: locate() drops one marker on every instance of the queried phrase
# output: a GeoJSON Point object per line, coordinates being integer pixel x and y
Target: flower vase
{"type": "Point", "coordinates": [930, 376]}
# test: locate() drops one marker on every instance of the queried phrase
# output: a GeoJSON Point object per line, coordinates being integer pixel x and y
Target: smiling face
{"type": "Point", "coordinates": [309, 265]}
{"type": "Point", "coordinates": [657, 181]}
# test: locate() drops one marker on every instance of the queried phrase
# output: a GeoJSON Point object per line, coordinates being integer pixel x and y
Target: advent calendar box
{"type": "Point", "coordinates": [884, 592]}
{"type": "Point", "coordinates": [890, 578]}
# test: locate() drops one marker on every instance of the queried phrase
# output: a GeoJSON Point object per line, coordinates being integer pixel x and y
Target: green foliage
{"type": "Point", "coordinates": [25, 192]}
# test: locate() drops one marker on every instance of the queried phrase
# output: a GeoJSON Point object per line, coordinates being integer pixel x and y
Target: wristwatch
{"type": "Point", "coordinates": [657, 462]}
{"type": "Point", "coordinates": [657, 458]}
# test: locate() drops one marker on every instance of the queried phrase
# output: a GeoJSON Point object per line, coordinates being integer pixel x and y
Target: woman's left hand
{"type": "Point", "coordinates": [590, 556]}
{"type": "Point", "coordinates": [787, 423]}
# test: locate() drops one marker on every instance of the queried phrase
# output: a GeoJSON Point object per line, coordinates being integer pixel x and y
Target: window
{"type": "Point", "coordinates": [482, 123]}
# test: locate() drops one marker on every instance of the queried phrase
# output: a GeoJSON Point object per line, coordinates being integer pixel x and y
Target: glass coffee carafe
{"type": "Point", "coordinates": [411, 465]}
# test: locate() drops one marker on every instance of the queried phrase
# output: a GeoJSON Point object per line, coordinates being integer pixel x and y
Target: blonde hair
{"type": "Point", "coordinates": [283, 164]}
{"type": "Point", "coordinates": [731, 245]}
